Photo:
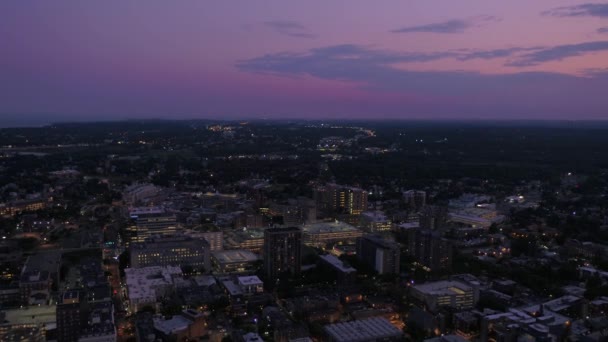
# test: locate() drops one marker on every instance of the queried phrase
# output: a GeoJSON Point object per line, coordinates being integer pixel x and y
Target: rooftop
{"type": "Point", "coordinates": [444, 287]}
{"type": "Point", "coordinates": [172, 325]}
{"type": "Point", "coordinates": [250, 280]}
{"type": "Point", "coordinates": [362, 330]}
{"type": "Point", "coordinates": [328, 227]}
{"type": "Point", "coordinates": [234, 256]}
{"type": "Point", "coordinates": [337, 263]}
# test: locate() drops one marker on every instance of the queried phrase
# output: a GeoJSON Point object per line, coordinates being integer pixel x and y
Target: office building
{"type": "Point", "coordinates": [151, 221]}
{"type": "Point", "coordinates": [337, 199]}
{"type": "Point", "coordinates": [178, 250]}
{"type": "Point", "coordinates": [380, 254]}
{"type": "Point", "coordinates": [375, 222]}
{"type": "Point", "coordinates": [430, 249]}
{"type": "Point", "coordinates": [445, 293]}
{"type": "Point", "coordinates": [333, 232]}
{"type": "Point", "coordinates": [282, 251]}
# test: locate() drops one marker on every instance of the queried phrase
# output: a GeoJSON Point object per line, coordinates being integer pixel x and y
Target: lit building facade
{"type": "Point", "coordinates": [171, 251]}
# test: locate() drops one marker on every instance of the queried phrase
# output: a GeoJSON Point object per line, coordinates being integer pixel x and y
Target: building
{"type": "Point", "coordinates": [249, 239]}
{"type": "Point", "coordinates": [433, 217]}
{"type": "Point", "coordinates": [445, 293]}
{"type": "Point", "coordinates": [339, 199]}
{"type": "Point", "coordinates": [344, 272]}
{"type": "Point", "coordinates": [151, 221]}
{"type": "Point", "coordinates": [282, 251]}
{"type": "Point", "coordinates": [145, 285]}
{"type": "Point", "coordinates": [215, 239]}
{"type": "Point", "coordinates": [233, 261]}
{"type": "Point", "coordinates": [296, 211]}
{"type": "Point", "coordinates": [69, 320]}
{"type": "Point", "coordinates": [364, 330]}
{"type": "Point", "coordinates": [189, 325]}
{"type": "Point", "coordinates": [430, 249]}
{"type": "Point", "coordinates": [251, 284]}
{"type": "Point", "coordinates": [100, 325]}
{"type": "Point", "coordinates": [380, 254]}
{"type": "Point", "coordinates": [375, 222]}
{"type": "Point", "coordinates": [13, 208]}
{"type": "Point", "coordinates": [35, 287]}
{"type": "Point", "coordinates": [415, 198]}
{"type": "Point", "coordinates": [176, 250]}
{"type": "Point", "coordinates": [333, 232]}
{"type": "Point", "coordinates": [140, 193]}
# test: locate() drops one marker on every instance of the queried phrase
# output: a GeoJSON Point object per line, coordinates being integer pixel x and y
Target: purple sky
{"type": "Point", "coordinates": [117, 59]}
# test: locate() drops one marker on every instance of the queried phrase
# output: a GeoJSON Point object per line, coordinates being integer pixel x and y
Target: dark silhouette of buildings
{"type": "Point", "coordinates": [282, 251]}
{"type": "Point", "coordinates": [430, 249]}
{"type": "Point", "coordinates": [433, 217]}
{"type": "Point", "coordinates": [380, 254]}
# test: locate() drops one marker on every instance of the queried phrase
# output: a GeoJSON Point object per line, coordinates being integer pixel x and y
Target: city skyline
{"type": "Point", "coordinates": [69, 61]}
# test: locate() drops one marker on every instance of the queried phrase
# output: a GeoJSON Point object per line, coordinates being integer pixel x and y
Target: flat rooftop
{"type": "Point", "coordinates": [443, 288]}
{"type": "Point", "coordinates": [369, 329]}
{"type": "Point", "coordinates": [250, 280]}
{"type": "Point", "coordinates": [328, 227]}
{"type": "Point", "coordinates": [234, 256]}
{"type": "Point", "coordinates": [337, 263]}
{"type": "Point", "coordinates": [146, 211]}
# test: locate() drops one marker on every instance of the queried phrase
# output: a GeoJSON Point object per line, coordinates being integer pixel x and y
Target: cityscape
{"type": "Point", "coordinates": [270, 171]}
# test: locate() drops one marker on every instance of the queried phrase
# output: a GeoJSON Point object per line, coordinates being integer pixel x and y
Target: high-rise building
{"type": "Point", "coordinates": [430, 249]}
{"type": "Point", "coordinates": [415, 198]}
{"type": "Point", "coordinates": [340, 199]}
{"type": "Point", "coordinates": [381, 254]}
{"type": "Point", "coordinates": [433, 217]}
{"type": "Point", "coordinates": [69, 316]}
{"type": "Point", "coordinates": [282, 251]}
{"type": "Point", "coordinates": [176, 250]}
{"type": "Point", "coordinates": [152, 221]}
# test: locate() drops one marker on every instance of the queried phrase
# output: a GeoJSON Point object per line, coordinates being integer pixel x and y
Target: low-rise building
{"type": "Point", "coordinates": [365, 330]}
{"type": "Point", "coordinates": [344, 272]}
{"type": "Point", "coordinates": [445, 293]}
{"type": "Point", "coordinates": [333, 232]}
{"type": "Point", "coordinates": [145, 285]}
{"type": "Point", "coordinates": [234, 260]}
{"type": "Point", "coordinates": [374, 222]}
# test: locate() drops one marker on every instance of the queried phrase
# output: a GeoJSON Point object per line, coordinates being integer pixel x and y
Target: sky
{"type": "Point", "coordinates": [80, 60]}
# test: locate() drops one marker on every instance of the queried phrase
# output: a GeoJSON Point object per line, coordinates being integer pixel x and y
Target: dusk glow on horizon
{"type": "Point", "coordinates": [75, 60]}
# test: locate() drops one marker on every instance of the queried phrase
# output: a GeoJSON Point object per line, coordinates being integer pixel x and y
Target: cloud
{"type": "Point", "coordinates": [374, 69]}
{"type": "Point", "coordinates": [449, 26]}
{"type": "Point", "coordinates": [583, 10]}
{"type": "Point", "coordinates": [602, 30]}
{"type": "Point", "coordinates": [290, 28]}
{"type": "Point", "coordinates": [558, 53]}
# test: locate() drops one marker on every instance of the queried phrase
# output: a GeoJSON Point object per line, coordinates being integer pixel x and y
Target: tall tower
{"type": "Point", "coordinates": [282, 251]}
